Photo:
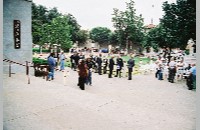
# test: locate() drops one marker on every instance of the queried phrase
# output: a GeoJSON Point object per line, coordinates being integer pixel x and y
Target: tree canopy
{"type": "Point", "coordinates": [179, 22]}
{"type": "Point", "coordinates": [100, 34]}
{"type": "Point", "coordinates": [129, 26]}
{"type": "Point", "coordinates": [50, 26]}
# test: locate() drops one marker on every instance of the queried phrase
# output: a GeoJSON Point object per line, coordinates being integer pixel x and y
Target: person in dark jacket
{"type": "Point", "coordinates": [99, 63]}
{"type": "Point", "coordinates": [82, 72]}
{"type": "Point", "coordinates": [52, 64]}
{"type": "Point", "coordinates": [131, 64]}
{"type": "Point", "coordinates": [90, 64]}
{"type": "Point", "coordinates": [76, 60]}
{"type": "Point", "coordinates": [81, 56]}
{"type": "Point", "coordinates": [120, 64]}
{"type": "Point", "coordinates": [105, 64]}
{"type": "Point", "coordinates": [72, 61]}
{"type": "Point", "coordinates": [111, 66]}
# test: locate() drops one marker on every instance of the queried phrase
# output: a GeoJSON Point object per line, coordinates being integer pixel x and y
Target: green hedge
{"type": "Point", "coordinates": [38, 50]}
{"type": "Point", "coordinates": [39, 61]}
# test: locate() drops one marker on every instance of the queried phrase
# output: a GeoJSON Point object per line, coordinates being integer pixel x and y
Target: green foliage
{"type": "Point", "coordinates": [59, 32]}
{"type": "Point", "coordinates": [128, 25]}
{"type": "Point", "coordinates": [114, 38]}
{"type": "Point", "coordinates": [179, 22]}
{"type": "Point", "coordinates": [39, 61]}
{"type": "Point", "coordinates": [38, 50]}
{"type": "Point", "coordinates": [100, 34]}
{"type": "Point", "coordinates": [82, 36]}
{"type": "Point", "coordinates": [50, 26]}
{"type": "Point", "coordinates": [155, 38]}
{"type": "Point", "coordinates": [40, 17]}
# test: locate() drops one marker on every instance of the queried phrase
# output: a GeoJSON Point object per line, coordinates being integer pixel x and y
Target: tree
{"type": "Point", "coordinates": [114, 38]}
{"type": "Point", "coordinates": [41, 17]}
{"type": "Point", "coordinates": [100, 34]}
{"type": "Point", "coordinates": [128, 25]}
{"type": "Point", "coordinates": [45, 22]}
{"type": "Point", "coordinates": [38, 19]}
{"type": "Point", "coordinates": [82, 36]}
{"type": "Point", "coordinates": [119, 24]}
{"type": "Point", "coordinates": [155, 38]}
{"type": "Point", "coordinates": [59, 32]}
{"type": "Point", "coordinates": [53, 13]}
{"type": "Point", "coordinates": [179, 22]}
{"type": "Point", "coordinates": [71, 20]}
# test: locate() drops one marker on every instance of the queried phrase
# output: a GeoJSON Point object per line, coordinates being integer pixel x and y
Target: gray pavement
{"type": "Point", "coordinates": [143, 103]}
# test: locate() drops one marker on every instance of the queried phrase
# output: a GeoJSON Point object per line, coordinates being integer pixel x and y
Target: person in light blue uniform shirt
{"type": "Point", "coordinates": [193, 73]}
{"type": "Point", "coordinates": [52, 64]}
{"type": "Point", "coordinates": [62, 61]}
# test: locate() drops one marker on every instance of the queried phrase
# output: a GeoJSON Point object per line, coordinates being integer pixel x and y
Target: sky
{"type": "Point", "coordinates": [98, 13]}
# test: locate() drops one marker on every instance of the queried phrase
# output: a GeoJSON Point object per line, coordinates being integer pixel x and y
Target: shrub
{"type": "Point", "coordinates": [39, 61]}
{"type": "Point", "coordinates": [38, 50]}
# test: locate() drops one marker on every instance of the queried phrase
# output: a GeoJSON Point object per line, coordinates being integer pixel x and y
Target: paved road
{"type": "Point", "coordinates": [143, 103]}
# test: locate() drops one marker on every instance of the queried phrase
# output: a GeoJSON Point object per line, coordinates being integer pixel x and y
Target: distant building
{"type": "Point", "coordinates": [149, 27]}
{"type": "Point", "coordinates": [17, 38]}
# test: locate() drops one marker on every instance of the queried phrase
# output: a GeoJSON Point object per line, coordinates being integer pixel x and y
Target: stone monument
{"type": "Point", "coordinates": [17, 38]}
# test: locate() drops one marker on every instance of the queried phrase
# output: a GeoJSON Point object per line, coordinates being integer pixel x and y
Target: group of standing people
{"type": "Point", "coordinates": [84, 67]}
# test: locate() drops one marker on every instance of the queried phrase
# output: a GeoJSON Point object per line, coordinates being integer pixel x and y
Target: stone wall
{"type": "Point", "coordinates": [17, 10]}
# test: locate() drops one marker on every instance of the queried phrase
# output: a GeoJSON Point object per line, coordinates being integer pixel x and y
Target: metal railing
{"type": "Point", "coordinates": [37, 68]}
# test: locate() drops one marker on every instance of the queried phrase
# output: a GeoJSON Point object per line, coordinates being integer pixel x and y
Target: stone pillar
{"type": "Point", "coordinates": [19, 10]}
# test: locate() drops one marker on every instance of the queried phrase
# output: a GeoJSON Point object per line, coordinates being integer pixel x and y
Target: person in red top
{"type": "Point", "coordinates": [82, 72]}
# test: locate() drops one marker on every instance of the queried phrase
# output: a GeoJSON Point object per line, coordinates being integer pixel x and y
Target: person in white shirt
{"type": "Point", "coordinates": [180, 69]}
{"type": "Point", "coordinates": [172, 70]}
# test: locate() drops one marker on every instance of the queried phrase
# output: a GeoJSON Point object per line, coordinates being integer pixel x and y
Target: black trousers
{"type": "Point", "coordinates": [99, 69]}
{"type": "Point", "coordinates": [81, 83]}
{"type": "Point", "coordinates": [110, 73]}
{"type": "Point", "coordinates": [172, 73]}
{"type": "Point", "coordinates": [104, 69]}
{"type": "Point", "coordinates": [189, 82]}
{"type": "Point", "coordinates": [118, 72]}
{"type": "Point", "coordinates": [130, 70]}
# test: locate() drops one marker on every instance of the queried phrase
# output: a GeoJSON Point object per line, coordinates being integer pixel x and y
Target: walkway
{"type": "Point", "coordinates": [143, 103]}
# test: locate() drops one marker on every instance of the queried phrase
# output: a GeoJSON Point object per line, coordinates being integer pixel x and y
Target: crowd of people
{"type": "Point", "coordinates": [85, 66]}
{"type": "Point", "coordinates": [176, 67]}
